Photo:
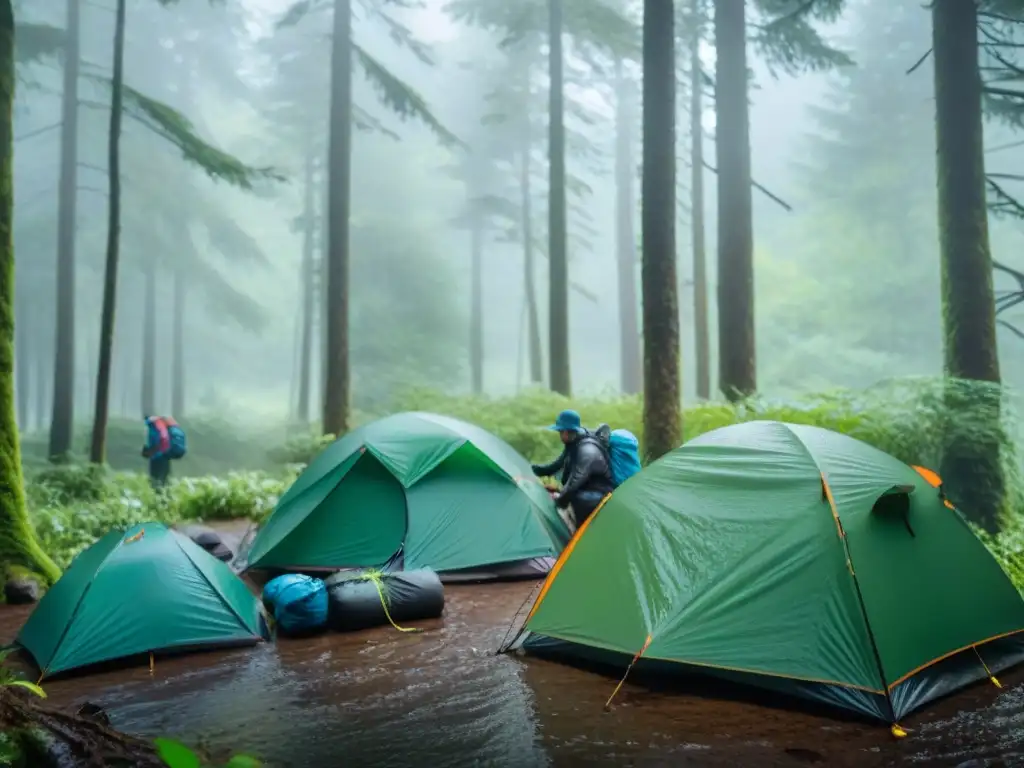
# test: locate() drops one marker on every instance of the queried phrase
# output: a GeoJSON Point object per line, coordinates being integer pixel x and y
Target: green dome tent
{"type": "Point", "coordinates": [415, 490]}
{"type": "Point", "coordinates": [146, 590]}
{"type": "Point", "coordinates": [791, 558]}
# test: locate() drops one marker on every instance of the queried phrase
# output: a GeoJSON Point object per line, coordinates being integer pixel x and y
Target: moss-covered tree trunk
{"type": "Point", "coordinates": [179, 299]}
{"type": "Point", "coordinates": [971, 463]}
{"type": "Point", "coordinates": [98, 445]}
{"type": "Point", "coordinates": [337, 380]}
{"type": "Point", "coordinates": [625, 238]}
{"type": "Point", "coordinates": [62, 421]}
{"type": "Point", "coordinates": [148, 352]}
{"type": "Point", "coordinates": [658, 200]}
{"type": "Point", "coordinates": [529, 271]}
{"type": "Point", "coordinates": [19, 550]}
{"type": "Point", "coordinates": [302, 408]}
{"type": "Point", "coordinates": [558, 252]}
{"type": "Point", "coordinates": [22, 364]}
{"type": "Point", "coordinates": [702, 337]}
{"type": "Point", "coordinates": [737, 367]}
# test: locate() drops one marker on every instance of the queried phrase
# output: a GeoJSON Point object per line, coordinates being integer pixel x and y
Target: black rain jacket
{"type": "Point", "coordinates": [584, 466]}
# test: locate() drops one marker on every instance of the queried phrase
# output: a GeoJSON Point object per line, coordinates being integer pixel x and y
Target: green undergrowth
{"type": "Point", "coordinates": [908, 418]}
{"type": "Point", "coordinates": [71, 506]}
{"type": "Point", "coordinates": [911, 419]}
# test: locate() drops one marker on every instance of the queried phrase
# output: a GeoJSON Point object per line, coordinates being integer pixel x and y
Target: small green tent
{"type": "Point", "coordinates": [791, 558]}
{"type": "Point", "coordinates": [146, 590]}
{"type": "Point", "coordinates": [415, 490]}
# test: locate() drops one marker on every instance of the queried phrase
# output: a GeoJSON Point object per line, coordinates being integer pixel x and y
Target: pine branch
{"type": "Point", "coordinates": [401, 98]}
{"type": "Point", "coordinates": [233, 242]}
{"type": "Point", "coordinates": [223, 299]}
{"type": "Point", "coordinates": [404, 38]}
{"type": "Point", "coordinates": [760, 188]}
{"type": "Point", "coordinates": [172, 126]}
{"type": "Point", "coordinates": [298, 11]}
{"type": "Point", "coordinates": [917, 64]}
{"type": "Point", "coordinates": [1002, 203]}
{"type": "Point", "coordinates": [364, 121]}
{"type": "Point", "coordinates": [789, 42]}
{"type": "Point", "coordinates": [1011, 328]}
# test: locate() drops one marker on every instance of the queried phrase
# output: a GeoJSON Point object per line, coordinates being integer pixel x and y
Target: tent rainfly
{"type": "Point", "coordinates": [787, 557]}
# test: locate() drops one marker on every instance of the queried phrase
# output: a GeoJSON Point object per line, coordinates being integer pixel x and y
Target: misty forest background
{"type": "Point", "coordinates": [225, 220]}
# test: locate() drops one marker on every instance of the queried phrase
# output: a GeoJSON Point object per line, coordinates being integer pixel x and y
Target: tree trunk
{"type": "Point", "coordinates": [629, 331]}
{"type": "Point", "coordinates": [558, 256]}
{"type": "Point", "coordinates": [700, 275]}
{"type": "Point", "coordinates": [98, 446]}
{"type": "Point", "coordinates": [302, 408]}
{"type": "Point", "coordinates": [971, 464]}
{"type": "Point", "coordinates": [62, 422]}
{"type": "Point", "coordinates": [22, 362]}
{"type": "Point", "coordinates": [658, 273]}
{"type": "Point", "coordinates": [737, 366]}
{"type": "Point", "coordinates": [178, 345]}
{"type": "Point", "coordinates": [18, 545]}
{"type": "Point", "coordinates": [476, 307]}
{"type": "Point", "coordinates": [336, 396]}
{"type": "Point", "coordinates": [529, 281]}
{"type": "Point", "coordinates": [148, 391]}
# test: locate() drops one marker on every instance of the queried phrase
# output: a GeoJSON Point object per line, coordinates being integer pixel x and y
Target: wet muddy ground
{"type": "Point", "coordinates": [442, 698]}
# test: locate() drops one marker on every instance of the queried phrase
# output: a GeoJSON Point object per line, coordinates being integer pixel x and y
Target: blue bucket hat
{"type": "Point", "coordinates": [567, 421]}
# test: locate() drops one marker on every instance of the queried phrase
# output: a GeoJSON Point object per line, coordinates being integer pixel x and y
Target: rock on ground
{"type": "Point", "coordinates": [21, 591]}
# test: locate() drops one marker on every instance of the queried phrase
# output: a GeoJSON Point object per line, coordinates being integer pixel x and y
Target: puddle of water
{"type": "Point", "coordinates": [442, 698]}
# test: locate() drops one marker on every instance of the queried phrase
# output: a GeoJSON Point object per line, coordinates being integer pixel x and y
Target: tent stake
{"type": "Point", "coordinates": [988, 671]}
{"type": "Point", "coordinates": [647, 642]}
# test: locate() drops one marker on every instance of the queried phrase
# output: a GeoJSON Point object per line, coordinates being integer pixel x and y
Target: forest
{"type": "Point", "coordinates": [277, 221]}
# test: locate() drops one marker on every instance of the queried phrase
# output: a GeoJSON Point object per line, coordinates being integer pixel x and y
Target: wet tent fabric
{"type": "Point", "coordinates": [792, 558]}
{"type": "Point", "coordinates": [444, 494]}
{"type": "Point", "coordinates": [145, 590]}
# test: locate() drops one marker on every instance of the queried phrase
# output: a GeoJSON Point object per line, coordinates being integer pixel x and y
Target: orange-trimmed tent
{"type": "Point", "coordinates": [791, 558]}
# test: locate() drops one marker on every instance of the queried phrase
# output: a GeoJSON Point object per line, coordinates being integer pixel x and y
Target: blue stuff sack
{"type": "Point", "coordinates": [624, 455]}
{"type": "Point", "coordinates": [298, 602]}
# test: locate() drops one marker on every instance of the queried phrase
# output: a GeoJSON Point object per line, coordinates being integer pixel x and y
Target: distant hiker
{"type": "Point", "coordinates": [586, 474]}
{"type": "Point", "coordinates": [165, 442]}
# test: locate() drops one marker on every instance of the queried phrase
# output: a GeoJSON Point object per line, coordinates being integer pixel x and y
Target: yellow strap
{"type": "Point", "coordinates": [375, 578]}
{"type": "Point", "coordinates": [647, 642]}
{"type": "Point", "coordinates": [988, 671]}
{"type": "Point", "coordinates": [898, 731]}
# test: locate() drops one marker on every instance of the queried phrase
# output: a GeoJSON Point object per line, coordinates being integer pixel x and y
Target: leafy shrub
{"type": "Point", "coordinates": [71, 506]}
{"type": "Point", "coordinates": [912, 419]}
{"type": "Point", "coordinates": [174, 754]}
{"type": "Point", "coordinates": [239, 495]}
{"type": "Point", "coordinates": [908, 418]}
{"type": "Point", "coordinates": [300, 450]}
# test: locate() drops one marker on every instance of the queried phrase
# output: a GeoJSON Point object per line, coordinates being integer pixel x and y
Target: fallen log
{"type": "Point", "coordinates": [37, 735]}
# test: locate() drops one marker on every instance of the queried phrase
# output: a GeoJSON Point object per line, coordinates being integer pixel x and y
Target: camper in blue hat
{"type": "Point", "coordinates": [585, 472]}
